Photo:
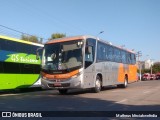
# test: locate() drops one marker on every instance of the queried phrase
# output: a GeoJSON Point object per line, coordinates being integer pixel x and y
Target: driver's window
{"type": "Point", "coordinates": [89, 52]}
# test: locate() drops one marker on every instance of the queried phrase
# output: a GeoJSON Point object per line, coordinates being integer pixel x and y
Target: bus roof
{"type": "Point", "coordinates": [21, 41]}
{"type": "Point", "coordinates": [64, 39]}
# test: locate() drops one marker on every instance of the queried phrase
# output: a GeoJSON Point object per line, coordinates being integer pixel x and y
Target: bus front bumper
{"type": "Point", "coordinates": [61, 84]}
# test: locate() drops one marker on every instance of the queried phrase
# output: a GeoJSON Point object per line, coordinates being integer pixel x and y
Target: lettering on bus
{"type": "Point", "coordinates": [22, 58]}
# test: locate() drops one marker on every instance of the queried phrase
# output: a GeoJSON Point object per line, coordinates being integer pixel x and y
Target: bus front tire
{"type": "Point", "coordinates": [98, 85]}
{"type": "Point", "coordinates": [63, 91]}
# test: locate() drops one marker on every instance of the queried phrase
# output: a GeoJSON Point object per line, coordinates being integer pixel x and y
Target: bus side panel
{"type": "Point", "coordinates": [18, 65]}
{"type": "Point", "coordinates": [17, 75]}
{"type": "Point", "coordinates": [26, 80]}
{"type": "Point", "coordinates": [132, 73]}
{"type": "Point", "coordinates": [89, 77]}
{"type": "Point", "coordinates": [115, 68]}
{"type": "Point", "coordinates": [129, 70]}
{"type": "Point", "coordinates": [8, 81]}
{"type": "Point", "coordinates": [8, 77]}
{"type": "Point", "coordinates": [110, 73]}
{"type": "Point", "coordinates": [12, 81]}
{"type": "Point", "coordinates": [122, 70]}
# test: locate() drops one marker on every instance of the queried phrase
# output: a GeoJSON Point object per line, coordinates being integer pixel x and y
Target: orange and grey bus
{"type": "Point", "coordinates": [86, 62]}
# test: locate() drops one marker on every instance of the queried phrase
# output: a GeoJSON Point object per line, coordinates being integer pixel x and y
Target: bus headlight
{"type": "Point", "coordinates": [44, 78]}
{"type": "Point", "coordinates": [77, 75]}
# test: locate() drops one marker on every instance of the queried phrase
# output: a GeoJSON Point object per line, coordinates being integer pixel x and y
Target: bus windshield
{"type": "Point", "coordinates": [63, 56]}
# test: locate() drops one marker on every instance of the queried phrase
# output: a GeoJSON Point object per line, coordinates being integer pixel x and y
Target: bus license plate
{"type": "Point", "coordinates": [57, 84]}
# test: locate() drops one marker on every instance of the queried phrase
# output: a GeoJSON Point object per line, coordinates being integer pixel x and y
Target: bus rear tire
{"type": "Point", "coordinates": [124, 85]}
{"type": "Point", "coordinates": [98, 85]}
{"type": "Point", "coordinates": [63, 91]}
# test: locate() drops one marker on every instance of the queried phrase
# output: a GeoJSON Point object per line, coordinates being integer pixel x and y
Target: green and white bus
{"type": "Point", "coordinates": [19, 67]}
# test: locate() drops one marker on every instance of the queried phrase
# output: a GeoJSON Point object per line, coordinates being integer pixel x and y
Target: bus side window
{"type": "Point", "coordinates": [110, 53]}
{"type": "Point", "coordinates": [123, 54]}
{"type": "Point", "coordinates": [133, 58]}
{"type": "Point", "coordinates": [129, 58]}
{"type": "Point", "coordinates": [89, 52]}
{"type": "Point", "coordinates": [11, 46]}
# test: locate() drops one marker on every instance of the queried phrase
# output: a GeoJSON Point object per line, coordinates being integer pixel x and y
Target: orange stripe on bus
{"type": "Point", "coordinates": [60, 76]}
{"type": "Point", "coordinates": [131, 72]}
{"type": "Point", "coordinates": [121, 73]}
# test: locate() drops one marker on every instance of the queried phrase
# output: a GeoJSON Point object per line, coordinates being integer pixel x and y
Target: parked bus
{"type": "Point", "coordinates": [19, 67]}
{"type": "Point", "coordinates": [86, 62]}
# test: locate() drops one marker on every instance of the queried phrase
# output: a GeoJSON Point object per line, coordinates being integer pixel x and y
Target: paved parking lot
{"type": "Point", "coordinates": [141, 96]}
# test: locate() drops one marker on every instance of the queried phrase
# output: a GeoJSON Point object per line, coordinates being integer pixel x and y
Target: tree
{"type": "Point", "coordinates": [57, 35]}
{"type": "Point", "coordinates": [31, 38]}
{"type": "Point", "coordinates": [156, 67]}
{"type": "Point", "coordinates": [144, 71]}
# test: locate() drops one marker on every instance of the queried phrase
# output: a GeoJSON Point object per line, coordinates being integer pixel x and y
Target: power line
{"type": "Point", "coordinates": [15, 30]}
{"type": "Point", "coordinates": [22, 33]}
{"type": "Point", "coordinates": [41, 11]}
{"type": "Point", "coordinates": [8, 33]}
{"type": "Point", "coordinates": [44, 13]}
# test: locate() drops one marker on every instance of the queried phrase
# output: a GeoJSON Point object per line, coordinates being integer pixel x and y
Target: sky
{"type": "Point", "coordinates": [134, 24]}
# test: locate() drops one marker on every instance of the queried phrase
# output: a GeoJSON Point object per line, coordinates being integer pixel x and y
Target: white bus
{"type": "Point", "coordinates": [86, 62]}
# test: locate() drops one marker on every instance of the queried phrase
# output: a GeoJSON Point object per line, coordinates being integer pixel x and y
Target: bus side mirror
{"type": "Point", "coordinates": [37, 53]}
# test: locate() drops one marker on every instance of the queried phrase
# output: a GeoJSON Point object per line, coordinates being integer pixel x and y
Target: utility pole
{"type": "Point", "coordinates": [139, 54]}
{"type": "Point", "coordinates": [151, 65]}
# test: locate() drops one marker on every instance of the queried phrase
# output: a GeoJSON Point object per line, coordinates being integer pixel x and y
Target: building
{"type": "Point", "coordinates": [148, 64]}
{"type": "Point", "coordinates": [145, 64]}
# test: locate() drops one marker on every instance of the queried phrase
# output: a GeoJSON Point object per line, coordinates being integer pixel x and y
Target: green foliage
{"type": "Point", "coordinates": [57, 35]}
{"type": "Point", "coordinates": [156, 67]}
{"type": "Point", "coordinates": [144, 71]}
{"type": "Point", "coordinates": [31, 38]}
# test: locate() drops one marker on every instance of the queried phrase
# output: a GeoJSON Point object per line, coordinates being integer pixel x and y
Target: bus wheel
{"type": "Point", "coordinates": [98, 85]}
{"type": "Point", "coordinates": [124, 85]}
{"type": "Point", "coordinates": [63, 91]}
